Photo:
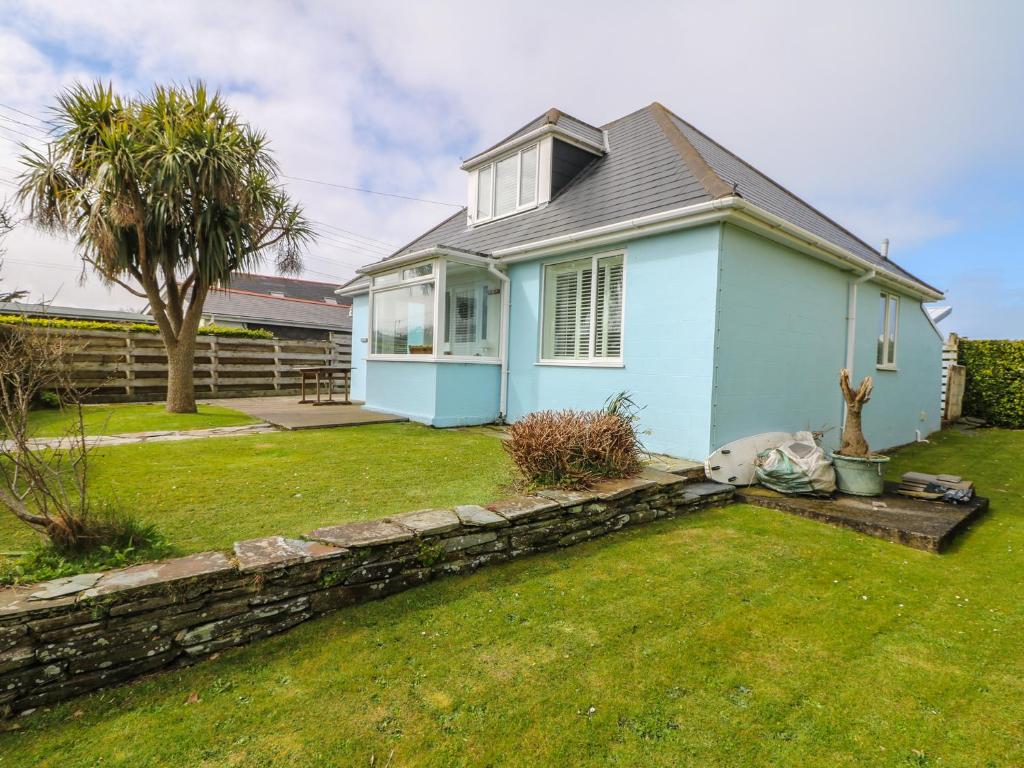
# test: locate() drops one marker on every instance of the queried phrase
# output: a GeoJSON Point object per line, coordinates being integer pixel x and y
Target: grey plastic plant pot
{"type": "Point", "coordinates": [860, 476]}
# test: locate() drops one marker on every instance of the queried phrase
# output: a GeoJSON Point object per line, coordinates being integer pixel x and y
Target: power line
{"type": "Point", "coordinates": [20, 133]}
{"type": "Point", "coordinates": [22, 122]}
{"type": "Point", "coordinates": [23, 112]}
{"type": "Point", "coordinates": [42, 264]}
{"type": "Point", "coordinates": [370, 191]}
{"type": "Point", "coordinates": [356, 234]}
{"type": "Point", "coordinates": [347, 247]}
{"type": "Point", "coordinates": [360, 246]}
{"type": "Point", "coordinates": [283, 175]}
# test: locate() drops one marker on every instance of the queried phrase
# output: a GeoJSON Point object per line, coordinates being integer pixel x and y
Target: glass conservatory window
{"type": "Point", "coordinates": [411, 315]}
{"type": "Point", "coordinates": [472, 311]}
{"type": "Point", "coordinates": [403, 320]}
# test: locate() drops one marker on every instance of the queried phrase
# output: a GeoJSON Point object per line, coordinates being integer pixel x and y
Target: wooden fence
{"type": "Point", "coordinates": [114, 366]}
{"type": "Point", "coordinates": [953, 379]}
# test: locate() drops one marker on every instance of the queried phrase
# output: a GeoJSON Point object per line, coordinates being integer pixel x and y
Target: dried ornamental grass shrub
{"type": "Point", "coordinates": [572, 449]}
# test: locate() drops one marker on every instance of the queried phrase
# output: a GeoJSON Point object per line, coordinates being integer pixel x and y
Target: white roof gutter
{"type": "Point", "coordinates": [427, 253]}
{"type": "Point", "coordinates": [676, 218]}
{"type": "Point", "coordinates": [819, 243]}
{"type": "Point", "coordinates": [736, 209]}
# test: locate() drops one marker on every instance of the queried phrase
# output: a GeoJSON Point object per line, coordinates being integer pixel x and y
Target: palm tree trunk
{"type": "Point", "coordinates": [181, 392]}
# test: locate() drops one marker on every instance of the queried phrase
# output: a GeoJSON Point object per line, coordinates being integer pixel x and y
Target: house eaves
{"type": "Point", "coordinates": [734, 209]}
{"type": "Point", "coordinates": [456, 254]}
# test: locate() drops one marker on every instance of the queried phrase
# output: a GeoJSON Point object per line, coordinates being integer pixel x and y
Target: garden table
{"type": "Point", "coordinates": [326, 373]}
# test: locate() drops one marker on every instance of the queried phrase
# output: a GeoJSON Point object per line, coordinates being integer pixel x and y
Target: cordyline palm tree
{"type": "Point", "coordinates": [167, 195]}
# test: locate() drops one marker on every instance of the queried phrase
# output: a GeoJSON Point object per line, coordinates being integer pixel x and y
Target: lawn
{"type": "Point", "coordinates": [207, 494]}
{"type": "Point", "coordinates": [142, 417]}
{"type": "Point", "coordinates": [732, 637]}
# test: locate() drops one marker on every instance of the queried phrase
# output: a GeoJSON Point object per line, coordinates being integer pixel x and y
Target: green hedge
{"type": "Point", "coordinates": [995, 381]}
{"type": "Point", "coordinates": [93, 325]}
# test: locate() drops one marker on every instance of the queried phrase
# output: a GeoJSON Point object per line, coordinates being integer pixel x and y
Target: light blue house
{"type": "Point", "coordinates": [642, 256]}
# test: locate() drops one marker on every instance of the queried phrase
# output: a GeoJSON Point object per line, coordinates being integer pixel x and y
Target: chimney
{"type": "Point", "coordinates": [885, 248]}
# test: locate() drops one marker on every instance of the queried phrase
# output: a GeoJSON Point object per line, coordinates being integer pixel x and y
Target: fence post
{"type": "Point", "coordinates": [277, 366]}
{"type": "Point", "coordinates": [129, 359]}
{"type": "Point", "coordinates": [214, 364]}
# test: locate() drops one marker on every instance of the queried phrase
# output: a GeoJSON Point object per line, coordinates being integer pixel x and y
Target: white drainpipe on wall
{"type": "Point", "coordinates": [851, 325]}
{"type": "Point", "coordinates": [851, 317]}
{"type": "Point", "coordinates": [506, 290]}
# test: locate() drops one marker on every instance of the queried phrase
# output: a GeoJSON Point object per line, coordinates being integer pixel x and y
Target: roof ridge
{"type": "Point", "coordinates": [713, 184]}
{"type": "Point", "coordinates": [282, 277]}
{"type": "Point", "coordinates": [780, 186]}
{"type": "Point", "coordinates": [276, 298]}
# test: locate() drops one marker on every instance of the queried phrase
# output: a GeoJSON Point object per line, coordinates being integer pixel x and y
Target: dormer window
{"type": "Point", "coordinates": [507, 185]}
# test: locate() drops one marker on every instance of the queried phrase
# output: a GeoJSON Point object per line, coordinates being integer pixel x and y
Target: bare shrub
{"type": "Point", "coordinates": [572, 449]}
{"type": "Point", "coordinates": [46, 488]}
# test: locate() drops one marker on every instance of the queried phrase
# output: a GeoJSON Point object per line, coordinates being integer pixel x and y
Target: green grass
{"type": "Point", "coordinates": [207, 494]}
{"type": "Point", "coordinates": [146, 417]}
{"type": "Point", "coordinates": [732, 637]}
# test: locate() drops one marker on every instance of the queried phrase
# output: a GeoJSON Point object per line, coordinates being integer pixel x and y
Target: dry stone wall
{"type": "Point", "coordinates": [69, 636]}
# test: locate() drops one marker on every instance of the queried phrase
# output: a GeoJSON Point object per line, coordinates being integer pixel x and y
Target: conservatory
{"type": "Point", "coordinates": [436, 337]}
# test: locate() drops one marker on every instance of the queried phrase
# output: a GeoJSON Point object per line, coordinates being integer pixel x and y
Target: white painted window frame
{"type": "Point", "coordinates": [885, 365]}
{"type": "Point", "coordinates": [437, 276]}
{"type": "Point", "coordinates": [493, 166]}
{"type": "Point", "coordinates": [590, 361]}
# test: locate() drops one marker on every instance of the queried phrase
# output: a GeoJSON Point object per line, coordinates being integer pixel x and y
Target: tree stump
{"type": "Point", "coordinates": [853, 442]}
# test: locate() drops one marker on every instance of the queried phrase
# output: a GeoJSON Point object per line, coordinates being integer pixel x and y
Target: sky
{"type": "Point", "coordinates": [897, 119]}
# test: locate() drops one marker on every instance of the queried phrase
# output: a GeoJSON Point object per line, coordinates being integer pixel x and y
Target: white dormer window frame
{"type": "Point", "coordinates": [527, 196]}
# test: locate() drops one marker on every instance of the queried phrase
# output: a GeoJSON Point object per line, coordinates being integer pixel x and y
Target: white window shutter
{"type": "Point", "coordinates": [528, 177]}
{"type": "Point", "coordinates": [608, 318]}
{"type": "Point", "coordinates": [565, 314]}
{"type": "Point", "coordinates": [583, 311]}
{"type": "Point", "coordinates": [584, 317]}
{"type": "Point", "coordinates": [505, 185]}
{"type": "Point", "coordinates": [483, 193]}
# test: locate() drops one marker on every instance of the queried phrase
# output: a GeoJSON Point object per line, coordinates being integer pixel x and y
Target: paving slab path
{"type": "Point", "coordinates": [287, 412]}
{"type": "Point", "coordinates": [162, 436]}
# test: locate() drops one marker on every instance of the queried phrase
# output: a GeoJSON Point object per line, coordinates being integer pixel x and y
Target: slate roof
{"type": "Point", "coordinates": [754, 186]}
{"type": "Point", "coordinates": [72, 313]}
{"type": "Point", "coordinates": [572, 126]}
{"type": "Point", "coordinates": [291, 287]}
{"type": "Point", "coordinates": [274, 310]}
{"type": "Point", "coordinates": [655, 162]}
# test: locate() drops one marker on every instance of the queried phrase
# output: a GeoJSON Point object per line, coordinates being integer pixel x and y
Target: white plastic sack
{"type": "Point", "coordinates": [797, 466]}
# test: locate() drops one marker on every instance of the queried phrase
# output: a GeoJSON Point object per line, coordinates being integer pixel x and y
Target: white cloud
{"type": "Point", "coordinates": [869, 110]}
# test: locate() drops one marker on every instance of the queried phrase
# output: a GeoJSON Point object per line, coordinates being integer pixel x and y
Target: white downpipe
{"type": "Point", "coordinates": [851, 317]}
{"type": "Point", "coordinates": [506, 300]}
{"type": "Point", "coordinates": [851, 326]}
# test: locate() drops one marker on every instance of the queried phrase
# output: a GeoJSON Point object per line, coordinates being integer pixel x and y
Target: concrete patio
{"type": "Point", "coordinates": [287, 413]}
{"type": "Point", "coordinates": [927, 525]}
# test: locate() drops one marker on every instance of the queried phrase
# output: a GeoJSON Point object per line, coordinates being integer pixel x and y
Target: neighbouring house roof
{"type": "Point", "coordinates": [291, 287]}
{"type": "Point", "coordinates": [655, 162]}
{"type": "Point", "coordinates": [72, 313]}
{"type": "Point", "coordinates": [248, 307]}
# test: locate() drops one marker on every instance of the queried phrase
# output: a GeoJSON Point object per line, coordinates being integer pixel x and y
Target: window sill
{"type": "Point", "coordinates": [891, 368]}
{"type": "Point", "coordinates": [432, 359]}
{"type": "Point", "coordinates": [582, 363]}
{"type": "Point", "coordinates": [483, 222]}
